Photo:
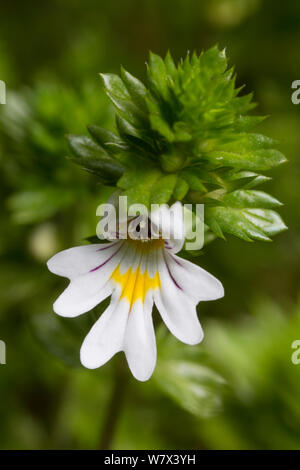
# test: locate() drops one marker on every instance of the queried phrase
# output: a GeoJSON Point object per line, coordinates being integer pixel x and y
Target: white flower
{"type": "Point", "coordinates": [137, 274]}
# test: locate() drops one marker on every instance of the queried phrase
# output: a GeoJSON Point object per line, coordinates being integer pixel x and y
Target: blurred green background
{"type": "Point", "coordinates": [239, 388]}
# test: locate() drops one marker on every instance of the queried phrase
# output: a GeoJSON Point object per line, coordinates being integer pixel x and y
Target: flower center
{"type": "Point", "coordinates": [145, 246]}
{"type": "Point", "coordinates": [141, 228]}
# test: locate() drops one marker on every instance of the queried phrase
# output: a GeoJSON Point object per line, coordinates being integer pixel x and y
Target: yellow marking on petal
{"type": "Point", "coordinates": [135, 284]}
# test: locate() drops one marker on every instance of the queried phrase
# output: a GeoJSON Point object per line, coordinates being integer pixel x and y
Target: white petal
{"type": "Point", "coordinates": [139, 342]}
{"type": "Point", "coordinates": [81, 259]}
{"type": "Point", "coordinates": [197, 283]}
{"type": "Point", "coordinates": [106, 337]}
{"type": "Point", "coordinates": [132, 259]}
{"type": "Point", "coordinates": [177, 309]}
{"type": "Point", "coordinates": [81, 295]}
{"type": "Point", "coordinates": [170, 223]}
{"type": "Point", "coordinates": [88, 289]}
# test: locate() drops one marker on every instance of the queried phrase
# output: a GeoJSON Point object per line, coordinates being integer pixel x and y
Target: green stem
{"type": "Point", "coordinates": [115, 406]}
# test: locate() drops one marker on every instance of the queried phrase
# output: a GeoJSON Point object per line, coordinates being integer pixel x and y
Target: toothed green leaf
{"type": "Point", "coordinates": [181, 189]}
{"type": "Point", "coordinates": [119, 95]}
{"type": "Point", "coordinates": [136, 89]}
{"type": "Point", "coordinates": [250, 198]}
{"type": "Point", "coordinates": [94, 158]}
{"type": "Point", "coordinates": [107, 139]}
{"type": "Point", "coordinates": [247, 224]}
{"type": "Point", "coordinates": [162, 190]}
{"type": "Point", "coordinates": [260, 160]}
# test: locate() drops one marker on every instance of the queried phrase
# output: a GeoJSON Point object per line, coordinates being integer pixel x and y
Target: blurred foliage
{"type": "Point", "coordinates": [262, 410]}
{"type": "Point", "coordinates": [35, 124]}
{"type": "Point", "coordinates": [239, 388]}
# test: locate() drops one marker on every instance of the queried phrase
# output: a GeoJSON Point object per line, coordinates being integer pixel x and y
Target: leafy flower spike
{"type": "Point", "coordinates": [136, 273]}
{"type": "Point", "coordinates": [187, 135]}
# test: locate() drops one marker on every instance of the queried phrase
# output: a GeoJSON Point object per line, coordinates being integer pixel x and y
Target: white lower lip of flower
{"type": "Point", "coordinates": [137, 274]}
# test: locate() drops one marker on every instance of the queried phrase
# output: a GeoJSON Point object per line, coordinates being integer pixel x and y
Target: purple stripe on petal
{"type": "Point", "coordinates": [176, 261]}
{"type": "Point", "coordinates": [171, 276]}
{"type": "Point", "coordinates": [106, 261]}
{"type": "Point", "coordinates": [106, 247]}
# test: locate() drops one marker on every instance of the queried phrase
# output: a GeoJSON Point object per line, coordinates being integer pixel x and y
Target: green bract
{"type": "Point", "coordinates": [187, 136]}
